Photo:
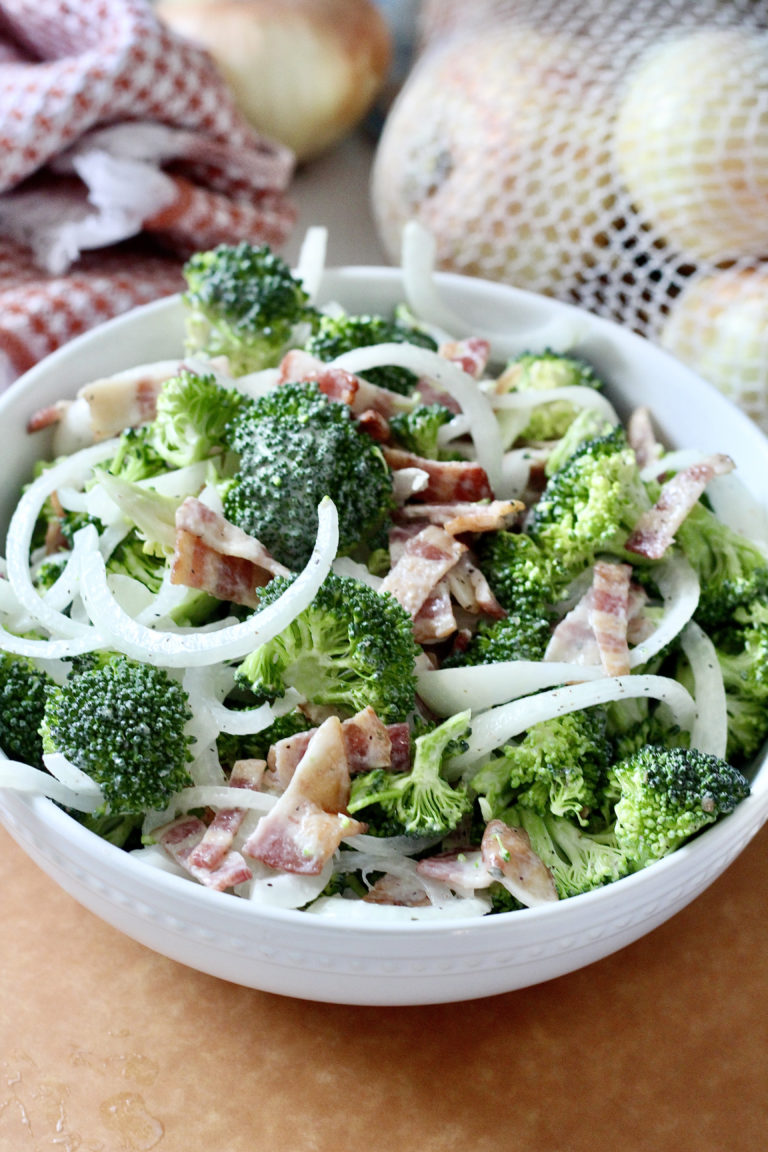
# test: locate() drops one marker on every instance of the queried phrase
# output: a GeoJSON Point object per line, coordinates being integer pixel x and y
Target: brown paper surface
{"type": "Point", "coordinates": [106, 1046]}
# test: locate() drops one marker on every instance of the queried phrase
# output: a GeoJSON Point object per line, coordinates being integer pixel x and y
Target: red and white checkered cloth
{"type": "Point", "coordinates": [121, 152]}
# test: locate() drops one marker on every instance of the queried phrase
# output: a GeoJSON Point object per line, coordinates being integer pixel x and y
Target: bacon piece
{"type": "Point", "coordinates": [338, 384]}
{"type": "Point", "coordinates": [48, 416]}
{"type": "Point", "coordinates": [426, 558]}
{"type": "Point", "coordinates": [220, 833]}
{"type": "Point", "coordinates": [471, 354]}
{"type": "Point", "coordinates": [435, 619]}
{"type": "Point", "coordinates": [471, 590]}
{"type": "Point", "coordinates": [573, 640]}
{"type": "Point", "coordinates": [374, 425]}
{"type": "Point", "coordinates": [461, 871]}
{"type": "Point", "coordinates": [308, 822]}
{"type": "Point", "coordinates": [217, 557]}
{"type": "Point", "coordinates": [656, 528]}
{"type": "Point", "coordinates": [367, 744]}
{"type": "Point", "coordinates": [465, 516]}
{"type": "Point", "coordinates": [397, 891]}
{"type": "Point", "coordinates": [642, 438]}
{"type": "Point", "coordinates": [181, 837]}
{"type": "Point", "coordinates": [509, 858]}
{"type": "Point", "coordinates": [126, 399]}
{"type": "Point", "coordinates": [449, 480]}
{"type": "Point", "coordinates": [608, 615]}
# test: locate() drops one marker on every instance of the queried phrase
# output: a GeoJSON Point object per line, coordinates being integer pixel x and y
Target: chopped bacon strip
{"type": "Point", "coordinates": [374, 425]}
{"type": "Point", "coordinates": [608, 615]}
{"type": "Point", "coordinates": [214, 555]}
{"type": "Point", "coordinates": [398, 891]}
{"type": "Point", "coordinates": [127, 399]}
{"type": "Point", "coordinates": [220, 833]}
{"type": "Point", "coordinates": [48, 416]}
{"type": "Point", "coordinates": [464, 515]}
{"type": "Point", "coordinates": [435, 619]}
{"type": "Point", "coordinates": [471, 590]}
{"type": "Point", "coordinates": [181, 837]}
{"type": "Point", "coordinates": [426, 558]}
{"type": "Point", "coordinates": [308, 822]}
{"type": "Point", "coordinates": [656, 528]}
{"type": "Point", "coordinates": [575, 640]}
{"type": "Point", "coordinates": [509, 858]}
{"type": "Point", "coordinates": [642, 438]}
{"type": "Point", "coordinates": [449, 480]}
{"type": "Point", "coordinates": [472, 354]}
{"type": "Point", "coordinates": [461, 871]}
{"type": "Point", "coordinates": [367, 744]}
{"type": "Point", "coordinates": [338, 384]}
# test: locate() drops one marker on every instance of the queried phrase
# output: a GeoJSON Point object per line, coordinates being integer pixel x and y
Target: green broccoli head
{"type": "Point", "coordinates": [540, 371]}
{"type": "Point", "coordinates": [335, 335]}
{"type": "Point", "coordinates": [521, 577]}
{"type": "Point", "coordinates": [666, 795]}
{"type": "Point", "coordinates": [579, 859]}
{"type": "Point", "coordinates": [559, 766]}
{"type": "Point", "coordinates": [132, 558]}
{"type": "Point", "coordinates": [589, 424]}
{"type": "Point", "coordinates": [417, 430]}
{"type": "Point", "coordinates": [135, 458]}
{"type": "Point", "coordinates": [125, 725]}
{"type": "Point", "coordinates": [243, 302]}
{"type": "Point", "coordinates": [420, 802]}
{"type": "Point", "coordinates": [732, 570]}
{"type": "Point", "coordinates": [352, 647]}
{"type": "Point", "coordinates": [591, 504]}
{"type": "Point", "coordinates": [23, 692]}
{"type": "Point", "coordinates": [193, 412]}
{"type": "Point", "coordinates": [742, 652]}
{"type": "Point", "coordinates": [296, 446]}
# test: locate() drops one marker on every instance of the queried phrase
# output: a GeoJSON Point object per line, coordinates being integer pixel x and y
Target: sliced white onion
{"type": "Point", "coordinates": [189, 649]}
{"type": "Point", "coordinates": [60, 648]}
{"type": "Point", "coordinates": [672, 462]}
{"type": "Point", "coordinates": [360, 912]}
{"type": "Point", "coordinates": [386, 845]}
{"type": "Point", "coordinates": [73, 470]}
{"type": "Point", "coordinates": [494, 728]}
{"type": "Point", "coordinates": [345, 566]}
{"type": "Point", "coordinates": [734, 504]}
{"type": "Point", "coordinates": [709, 732]}
{"type": "Point", "coordinates": [579, 395]}
{"type": "Point", "coordinates": [450, 690]}
{"type": "Point", "coordinates": [418, 258]}
{"type": "Point", "coordinates": [72, 776]}
{"type": "Point", "coordinates": [449, 377]}
{"type": "Point", "coordinates": [203, 694]}
{"type": "Point", "coordinates": [394, 864]}
{"type": "Point", "coordinates": [210, 796]}
{"type": "Point", "coordinates": [679, 586]}
{"type": "Point", "coordinates": [19, 777]}
{"type": "Point", "coordinates": [272, 889]}
{"type": "Point", "coordinates": [311, 262]}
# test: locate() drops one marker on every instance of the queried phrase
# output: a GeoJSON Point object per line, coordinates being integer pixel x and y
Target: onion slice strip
{"type": "Point", "coordinates": [72, 470]}
{"type": "Point", "coordinates": [709, 732]}
{"type": "Point", "coordinates": [19, 777]}
{"type": "Point", "coordinates": [680, 589]}
{"type": "Point", "coordinates": [418, 259]}
{"type": "Point", "coordinates": [233, 642]}
{"type": "Point", "coordinates": [497, 726]}
{"type": "Point", "coordinates": [474, 403]}
{"type": "Point", "coordinates": [450, 690]}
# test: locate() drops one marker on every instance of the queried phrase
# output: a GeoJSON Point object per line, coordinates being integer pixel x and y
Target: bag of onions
{"type": "Point", "coordinates": [611, 153]}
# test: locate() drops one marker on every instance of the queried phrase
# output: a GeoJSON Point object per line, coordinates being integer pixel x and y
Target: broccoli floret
{"type": "Point", "coordinates": [243, 302]}
{"type": "Point", "coordinates": [732, 570]}
{"type": "Point", "coordinates": [296, 446]}
{"type": "Point", "coordinates": [193, 412]}
{"type": "Point", "coordinates": [122, 830]}
{"type": "Point", "coordinates": [742, 652]}
{"type": "Point", "coordinates": [421, 801]}
{"type": "Point", "coordinates": [589, 424]}
{"type": "Point", "coordinates": [521, 577]}
{"type": "Point", "coordinates": [23, 691]}
{"type": "Point", "coordinates": [125, 725]}
{"type": "Point", "coordinates": [540, 371]}
{"type": "Point", "coordinates": [132, 558]}
{"type": "Point", "coordinates": [152, 513]}
{"type": "Point", "coordinates": [559, 766]}
{"type": "Point", "coordinates": [135, 458]}
{"type": "Point", "coordinates": [579, 859]}
{"type": "Point", "coordinates": [591, 504]}
{"type": "Point", "coordinates": [351, 647]}
{"type": "Point", "coordinates": [338, 334]}
{"type": "Point", "coordinates": [256, 745]}
{"type": "Point", "coordinates": [417, 430]}
{"type": "Point", "coordinates": [666, 795]}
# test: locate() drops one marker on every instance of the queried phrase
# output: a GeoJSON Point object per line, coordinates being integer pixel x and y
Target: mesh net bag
{"type": "Point", "coordinates": [608, 153]}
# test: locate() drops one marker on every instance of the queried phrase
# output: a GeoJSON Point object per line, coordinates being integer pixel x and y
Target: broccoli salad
{"type": "Point", "coordinates": [344, 611]}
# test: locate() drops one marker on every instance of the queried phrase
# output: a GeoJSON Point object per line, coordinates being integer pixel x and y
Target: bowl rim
{"type": "Point", "coordinates": [750, 815]}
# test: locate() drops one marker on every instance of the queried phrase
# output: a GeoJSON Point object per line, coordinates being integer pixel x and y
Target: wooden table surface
{"type": "Point", "coordinates": [107, 1047]}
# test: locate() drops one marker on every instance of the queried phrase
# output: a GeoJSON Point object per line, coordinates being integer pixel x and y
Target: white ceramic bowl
{"type": "Point", "coordinates": [294, 954]}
